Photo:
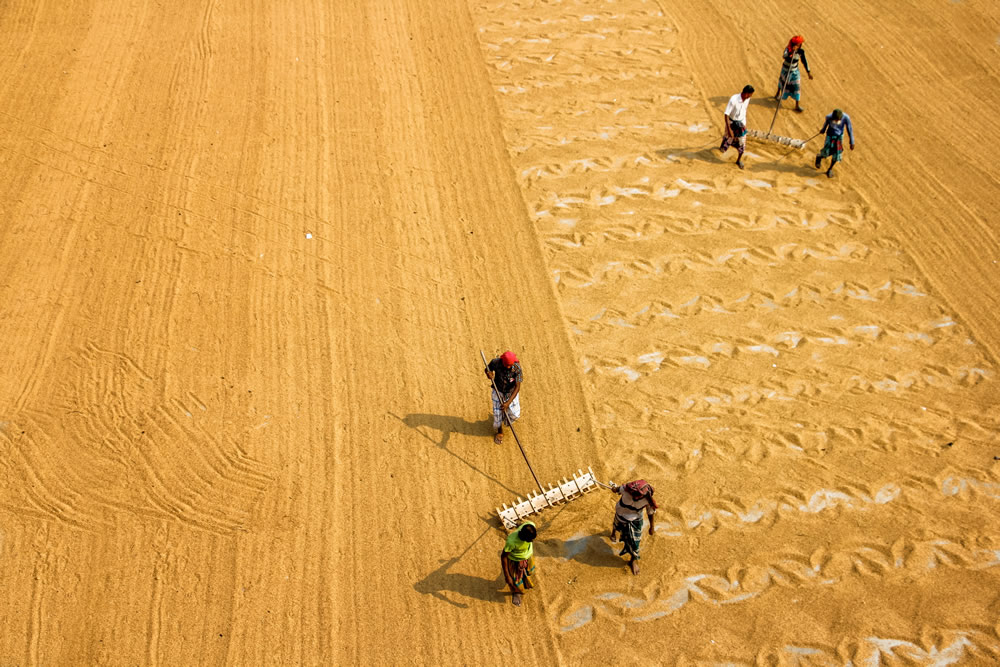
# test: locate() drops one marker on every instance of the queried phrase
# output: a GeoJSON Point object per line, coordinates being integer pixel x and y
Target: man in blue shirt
{"type": "Point", "coordinates": [835, 124]}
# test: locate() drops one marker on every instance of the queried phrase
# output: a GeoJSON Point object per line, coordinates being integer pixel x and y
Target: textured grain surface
{"type": "Point", "coordinates": [249, 253]}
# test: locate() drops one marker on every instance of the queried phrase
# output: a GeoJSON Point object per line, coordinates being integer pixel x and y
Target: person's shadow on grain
{"type": "Point", "coordinates": [446, 425]}
{"type": "Point", "coordinates": [440, 581]}
{"type": "Point", "coordinates": [590, 550]}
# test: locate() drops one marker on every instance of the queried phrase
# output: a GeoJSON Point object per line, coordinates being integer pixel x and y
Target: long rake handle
{"type": "Point", "coordinates": [784, 82]}
{"type": "Point", "coordinates": [510, 424]}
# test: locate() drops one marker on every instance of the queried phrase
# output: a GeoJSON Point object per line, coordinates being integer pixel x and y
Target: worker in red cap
{"type": "Point", "coordinates": [788, 80]}
{"type": "Point", "coordinates": [505, 373]}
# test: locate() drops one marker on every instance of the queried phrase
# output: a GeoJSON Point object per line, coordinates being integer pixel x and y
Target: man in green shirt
{"type": "Point", "coordinates": [517, 560]}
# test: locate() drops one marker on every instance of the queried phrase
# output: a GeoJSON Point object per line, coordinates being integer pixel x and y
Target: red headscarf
{"type": "Point", "coordinates": [508, 358]}
{"type": "Point", "coordinates": [796, 41]}
{"type": "Point", "coordinates": [639, 489]}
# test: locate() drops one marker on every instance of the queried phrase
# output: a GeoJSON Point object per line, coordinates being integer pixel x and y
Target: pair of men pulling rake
{"type": "Point", "coordinates": [834, 127]}
{"type": "Point", "coordinates": [517, 560]}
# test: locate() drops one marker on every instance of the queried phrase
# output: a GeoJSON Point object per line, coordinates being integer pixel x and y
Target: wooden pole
{"type": "Point", "coordinates": [506, 418]}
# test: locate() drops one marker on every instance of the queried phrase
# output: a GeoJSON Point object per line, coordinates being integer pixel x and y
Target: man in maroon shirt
{"type": "Point", "coordinates": [505, 372]}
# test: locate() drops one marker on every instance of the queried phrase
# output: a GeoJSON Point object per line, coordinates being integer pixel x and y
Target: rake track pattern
{"type": "Point", "coordinates": [758, 324]}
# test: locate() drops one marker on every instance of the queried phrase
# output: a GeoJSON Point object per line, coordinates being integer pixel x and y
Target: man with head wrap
{"type": "Point", "coordinates": [789, 79]}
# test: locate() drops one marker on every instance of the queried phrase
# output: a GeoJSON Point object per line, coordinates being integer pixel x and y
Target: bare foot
{"type": "Point", "coordinates": [498, 438]}
{"type": "Point", "coordinates": [516, 600]}
{"type": "Point", "coordinates": [634, 564]}
{"type": "Point", "coordinates": [739, 163]}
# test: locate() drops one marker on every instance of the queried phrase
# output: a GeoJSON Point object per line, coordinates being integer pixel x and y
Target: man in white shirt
{"type": "Point", "coordinates": [736, 123]}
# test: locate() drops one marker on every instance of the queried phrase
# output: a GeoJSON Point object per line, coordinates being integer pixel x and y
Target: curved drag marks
{"type": "Point", "coordinates": [595, 80]}
{"type": "Point", "coordinates": [556, 170]}
{"type": "Point", "coordinates": [785, 297]}
{"type": "Point", "coordinates": [525, 24]}
{"type": "Point", "coordinates": [905, 560]}
{"type": "Point", "coordinates": [753, 437]}
{"type": "Point", "coordinates": [705, 516]}
{"type": "Point", "coordinates": [556, 59]}
{"type": "Point", "coordinates": [820, 350]}
{"type": "Point", "coordinates": [763, 512]}
{"type": "Point", "coordinates": [534, 144]}
{"type": "Point", "coordinates": [834, 377]}
{"type": "Point", "coordinates": [934, 647]}
{"type": "Point", "coordinates": [735, 258]}
{"type": "Point", "coordinates": [52, 488]}
{"type": "Point", "coordinates": [925, 334]}
{"type": "Point", "coordinates": [965, 487]}
{"type": "Point", "coordinates": [760, 341]}
{"type": "Point", "coordinates": [651, 192]}
{"type": "Point", "coordinates": [142, 454]}
{"type": "Point", "coordinates": [593, 232]}
{"type": "Point", "coordinates": [560, 169]}
{"type": "Point", "coordinates": [719, 398]}
{"type": "Point", "coordinates": [499, 47]}
{"type": "Point", "coordinates": [585, 108]}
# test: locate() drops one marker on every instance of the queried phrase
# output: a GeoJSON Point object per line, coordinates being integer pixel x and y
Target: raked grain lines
{"type": "Point", "coordinates": [611, 278]}
{"type": "Point", "coordinates": [657, 192]}
{"type": "Point", "coordinates": [649, 160]}
{"type": "Point", "coordinates": [906, 559]}
{"type": "Point", "coordinates": [555, 59]}
{"type": "Point", "coordinates": [111, 414]}
{"type": "Point", "coordinates": [784, 297]}
{"type": "Point", "coordinates": [935, 647]}
{"type": "Point", "coordinates": [735, 321]}
{"type": "Point", "coordinates": [737, 259]}
{"type": "Point", "coordinates": [785, 346]}
{"type": "Point", "coordinates": [706, 515]}
{"type": "Point", "coordinates": [788, 388]}
{"type": "Point", "coordinates": [755, 438]}
{"type": "Point", "coordinates": [816, 247]}
{"type": "Point", "coordinates": [586, 23]}
{"type": "Point", "coordinates": [587, 109]}
{"type": "Point", "coordinates": [839, 331]}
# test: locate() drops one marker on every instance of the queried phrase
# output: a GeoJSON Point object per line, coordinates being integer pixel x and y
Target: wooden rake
{"type": "Point", "coordinates": [777, 138]}
{"type": "Point", "coordinates": [540, 498]}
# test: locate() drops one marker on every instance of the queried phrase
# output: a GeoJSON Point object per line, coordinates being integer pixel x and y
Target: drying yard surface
{"type": "Point", "coordinates": [249, 252]}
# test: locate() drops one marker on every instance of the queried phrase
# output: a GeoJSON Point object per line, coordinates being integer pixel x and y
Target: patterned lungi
{"type": "Point", "coordinates": [832, 146]}
{"type": "Point", "coordinates": [513, 410]}
{"type": "Point", "coordinates": [519, 574]}
{"type": "Point", "coordinates": [739, 138]}
{"type": "Point", "coordinates": [631, 532]}
{"type": "Point", "coordinates": [792, 86]}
